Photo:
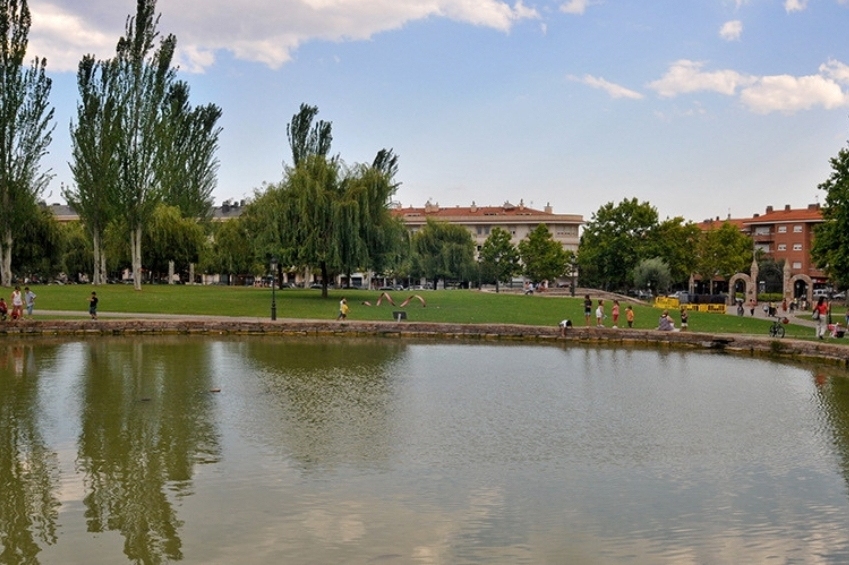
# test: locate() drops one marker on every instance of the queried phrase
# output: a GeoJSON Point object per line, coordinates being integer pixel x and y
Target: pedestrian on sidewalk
{"type": "Point", "coordinates": [92, 305]}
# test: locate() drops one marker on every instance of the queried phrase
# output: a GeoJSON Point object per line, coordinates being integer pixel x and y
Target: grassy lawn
{"type": "Point", "coordinates": [449, 306]}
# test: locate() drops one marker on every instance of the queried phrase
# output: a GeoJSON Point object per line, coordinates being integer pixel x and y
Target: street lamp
{"type": "Point", "coordinates": [273, 278]}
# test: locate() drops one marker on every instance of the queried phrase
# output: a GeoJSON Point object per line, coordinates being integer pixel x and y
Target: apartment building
{"type": "Point", "coordinates": [518, 220]}
{"type": "Point", "coordinates": [784, 234]}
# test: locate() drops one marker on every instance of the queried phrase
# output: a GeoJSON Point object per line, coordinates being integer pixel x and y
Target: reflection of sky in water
{"type": "Point", "coordinates": [374, 451]}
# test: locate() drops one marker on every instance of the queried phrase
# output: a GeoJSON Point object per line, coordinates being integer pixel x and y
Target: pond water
{"type": "Point", "coordinates": [260, 450]}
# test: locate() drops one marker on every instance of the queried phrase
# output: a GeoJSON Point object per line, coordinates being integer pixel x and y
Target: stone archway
{"type": "Point", "coordinates": [809, 283]}
{"type": "Point", "coordinates": [751, 288]}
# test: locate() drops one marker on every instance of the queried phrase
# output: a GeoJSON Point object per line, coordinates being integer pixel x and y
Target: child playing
{"type": "Point", "coordinates": [629, 316]}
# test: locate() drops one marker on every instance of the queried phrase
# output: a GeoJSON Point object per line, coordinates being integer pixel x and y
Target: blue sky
{"type": "Point", "coordinates": [701, 108]}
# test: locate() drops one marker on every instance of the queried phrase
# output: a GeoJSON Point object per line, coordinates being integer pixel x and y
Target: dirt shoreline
{"type": "Point", "coordinates": [798, 350]}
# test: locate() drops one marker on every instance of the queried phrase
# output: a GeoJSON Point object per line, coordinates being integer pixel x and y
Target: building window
{"type": "Point", "coordinates": [782, 247]}
{"type": "Point", "coordinates": [762, 247]}
{"type": "Point", "coordinates": [762, 230]}
{"type": "Point", "coordinates": [480, 230]}
{"type": "Point", "coordinates": [797, 264]}
{"type": "Point", "coordinates": [797, 229]}
{"type": "Point", "coordinates": [782, 229]}
{"type": "Point", "coordinates": [797, 247]}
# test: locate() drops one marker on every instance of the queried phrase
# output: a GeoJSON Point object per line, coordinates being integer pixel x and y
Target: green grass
{"type": "Point", "coordinates": [446, 306]}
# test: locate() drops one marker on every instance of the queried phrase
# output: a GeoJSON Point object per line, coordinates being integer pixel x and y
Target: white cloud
{"type": "Point", "coordinates": [785, 93]}
{"type": "Point", "coordinates": [795, 5]}
{"type": "Point", "coordinates": [614, 90]}
{"type": "Point", "coordinates": [687, 76]}
{"type": "Point", "coordinates": [835, 70]}
{"type": "Point", "coordinates": [266, 31]}
{"type": "Point", "coordinates": [577, 7]}
{"type": "Point", "coordinates": [731, 31]}
{"type": "Point", "coordinates": [765, 94]}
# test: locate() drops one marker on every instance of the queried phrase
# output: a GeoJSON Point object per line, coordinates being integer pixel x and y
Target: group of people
{"type": "Point", "coordinates": [600, 315]}
{"type": "Point", "coordinates": [665, 323]}
{"type": "Point", "coordinates": [19, 300]}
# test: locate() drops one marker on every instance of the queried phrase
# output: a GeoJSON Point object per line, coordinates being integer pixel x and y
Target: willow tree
{"type": "Point", "coordinates": [144, 75]}
{"type": "Point", "coordinates": [25, 129]}
{"type": "Point", "coordinates": [95, 166]}
{"type": "Point", "coordinates": [444, 251]}
{"type": "Point", "coordinates": [334, 219]}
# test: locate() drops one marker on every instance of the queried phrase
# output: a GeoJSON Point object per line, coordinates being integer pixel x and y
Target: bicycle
{"type": "Point", "coordinates": [777, 327]}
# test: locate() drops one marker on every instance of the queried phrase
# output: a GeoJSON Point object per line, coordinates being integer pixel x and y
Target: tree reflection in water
{"type": "Point", "coordinates": [145, 425]}
{"type": "Point", "coordinates": [29, 477]}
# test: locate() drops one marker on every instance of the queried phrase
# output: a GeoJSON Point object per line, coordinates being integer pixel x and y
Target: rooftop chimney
{"type": "Point", "coordinates": [768, 209]}
{"type": "Point", "coordinates": [548, 209]}
{"type": "Point", "coordinates": [474, 207]}
{"type": "Point", "coordinates": [787, 207]}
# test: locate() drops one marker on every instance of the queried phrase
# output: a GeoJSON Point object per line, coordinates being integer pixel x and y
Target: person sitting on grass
{"type": "Point", "coordinates": [665, 324]}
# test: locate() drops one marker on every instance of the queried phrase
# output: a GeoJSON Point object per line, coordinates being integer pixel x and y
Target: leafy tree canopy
{"type": "Point", "coordinates": [542, 257]}
{"type": "Point", "coordinates": [831, 245]}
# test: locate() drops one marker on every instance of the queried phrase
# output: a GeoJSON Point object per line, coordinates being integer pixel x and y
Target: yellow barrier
{"type": "Point", "coordinates": [675, 304]}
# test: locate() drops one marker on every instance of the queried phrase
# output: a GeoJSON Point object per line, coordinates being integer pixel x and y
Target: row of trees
{"type": "Point", "coordinates": [625, 246]}
{"type": "Point", "coordinates": [137, 143]}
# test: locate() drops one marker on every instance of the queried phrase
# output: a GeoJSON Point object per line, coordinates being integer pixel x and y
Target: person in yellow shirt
{"type": "Point", "coordinates": [343, 310]}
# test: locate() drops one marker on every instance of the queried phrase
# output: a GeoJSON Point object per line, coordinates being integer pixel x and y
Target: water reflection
{"type": "Point", "coordinates": [327, 402]}
{"type": "Point", "coordinates": [28, 466]}
{"type": "Point", "coordinates": [833, 391]}
{"type": "Point", "coordinates": [358, 451]}
{"type": "Point", "coordinates": [145, 422]}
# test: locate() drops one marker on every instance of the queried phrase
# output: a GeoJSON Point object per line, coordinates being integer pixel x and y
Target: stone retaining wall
{"type": "Point", "coordinates": [746, 344]}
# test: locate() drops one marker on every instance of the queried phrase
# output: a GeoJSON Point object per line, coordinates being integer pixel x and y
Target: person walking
{"type": "Point", "coordinates": [588, 308]}
{"type": "Point", "coordinates": [343, 309]}
{"type": "Point", "coordinates": [92, 305]}
{"type": "Point", "coordinates": [629, 316]}
{"type": "Point", "coordinates": [29, 300]}
{"type": "Point", "coordinates": [599, 314]}
{"type": "Point", "coordinates": [685, 317]}
{"type": "Point", "coordinates": [820, 314]}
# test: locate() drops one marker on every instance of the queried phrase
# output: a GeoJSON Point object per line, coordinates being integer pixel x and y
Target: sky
{"type": "Point", "coordinates": [703, 108]}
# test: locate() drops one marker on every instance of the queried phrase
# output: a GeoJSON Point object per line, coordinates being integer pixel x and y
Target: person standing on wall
{"type": "Point", "coordinates": [29, 300]}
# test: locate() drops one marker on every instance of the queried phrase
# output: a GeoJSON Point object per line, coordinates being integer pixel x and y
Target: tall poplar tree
{"type": "Point", "coordinates": [144, 76]}
{"type": "Point", "coordinates": [26, 128]}
{"type": "Point", "coordinates": [187, 165]}
{"type": "Point", "coordinates": [95, 166]}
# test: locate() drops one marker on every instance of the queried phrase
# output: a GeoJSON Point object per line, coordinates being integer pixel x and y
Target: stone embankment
{"type": "Point", "coordinates": [745, 344]}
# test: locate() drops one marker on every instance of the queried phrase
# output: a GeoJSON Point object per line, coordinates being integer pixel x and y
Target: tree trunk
{"type": "Point", "coordinates": [191, 273]}
{"type": "Point", "coordinates": [323, 279]}
{"type": "Point", "coordinates": [170, 272]}
{"type": "Point", "coordinates": [135, 248]}
{"type": "Point", "coordinates": [102, 266]}
{"type": "Point", "coordinates": [6, 258]}
{"type": "Point", "coordinates": [97, 275]}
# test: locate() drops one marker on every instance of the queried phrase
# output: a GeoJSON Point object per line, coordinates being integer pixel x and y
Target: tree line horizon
{"type": "Point", "coordinates": [144, 163]}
